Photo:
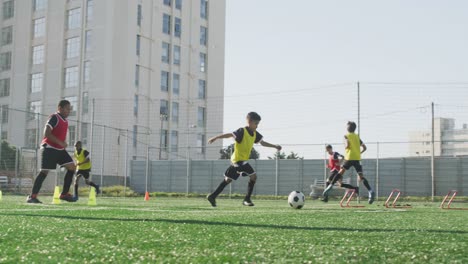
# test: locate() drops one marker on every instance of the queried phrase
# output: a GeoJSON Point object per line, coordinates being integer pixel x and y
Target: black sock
{"type": "Point", "coordinates": [92, 184]}
{"type": "Point", "coordinates": [76, 190]}
{"type": "Point", "coordinates": [38, 184]}
{"type": "Point", "coordinates": [366, 183]}
{"type": "Point", "coordinates": [67, 181]}
{"type": "Point", "coordinates": [249, 190]}
{"type": "Point", "coordinates": [347, 186]}
{"type": "Point", "coordinates": [219, 189]}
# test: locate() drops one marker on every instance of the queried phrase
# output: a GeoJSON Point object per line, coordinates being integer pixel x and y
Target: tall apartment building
{"type": "Point", "coordinates": [448, 141]}
{"type": "Point", "coordinates": [151, 71]}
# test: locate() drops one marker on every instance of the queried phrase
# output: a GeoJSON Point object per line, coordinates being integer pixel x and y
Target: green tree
{"type": "Point", "coordinates": [282, 155]}
{"type": "Point", "coordinates": [8, 156]}
{"type": "Point", "coordinates": [227, 152]}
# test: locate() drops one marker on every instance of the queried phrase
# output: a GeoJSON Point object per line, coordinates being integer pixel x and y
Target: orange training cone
{"type": "Point", "coordinates": [146, 196]}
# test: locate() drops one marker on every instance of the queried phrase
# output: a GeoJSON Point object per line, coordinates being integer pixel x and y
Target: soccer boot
{"type": "Point", "coordinates": [371, 197]}
{"type": "Point", "coordinates": [325, 199]}
{"type": "Point", "coordinates": [67, 197]}
{"type": "Point", "coordinates": [33, 200]}
{"type": "Point", "coordinates": [98, 189]}
{"type": "Point", "coordinates": [211, 199]}
{"type": "Point", "coordinates": [247, 202]}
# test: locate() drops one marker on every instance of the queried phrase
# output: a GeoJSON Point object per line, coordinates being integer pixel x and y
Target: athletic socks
{"type": "Point", "coordinates": [92, 184]}
{"type": "Point", "coordinates": [38, 184]}
{"type": "Point", "coordinates": [249, 190]}
{"type": "Point", "coordinates": [67, 181]}
{"type": "Point", "coordinates": [347, 186]}
{"type": "Point", "coordinates": [76, 190]}
{"type": "Point", "coordinates": [219, 189]}
{"type": "Point", "coordinates": [366, 183]}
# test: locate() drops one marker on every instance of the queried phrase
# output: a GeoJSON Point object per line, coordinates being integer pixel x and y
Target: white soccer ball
{"type": "Point", "coordinates": [296, 199]}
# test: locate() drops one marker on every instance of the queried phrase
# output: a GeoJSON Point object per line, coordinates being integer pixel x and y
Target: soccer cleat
{"type": "Point", "coordinates": [247, 203]}
{"type": "Point", "coordinates": [211, 199]}
{"type": "Point", "coordinates": [75, 198]}
{"type": "Point", "coordinates": [33, 200]}
{"type": "Point", "coordinates": [325, 199]}
{"type": "Point", "coordinates": [371, 197]}
{"type": "Point", "coordinates": [67, 197]}
{"type": "Point", "coordinates": [98, 190]}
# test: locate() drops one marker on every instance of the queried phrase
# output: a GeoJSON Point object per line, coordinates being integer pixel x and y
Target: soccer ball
{"type": "Point", "coordinates": [296, 199]}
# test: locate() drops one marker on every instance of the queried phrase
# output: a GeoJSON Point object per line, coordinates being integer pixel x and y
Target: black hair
{"type": "Point", "coordinates": [351, 126]}
{"type": "Point", "coordinates": [63, 103]}
{"type": "Point", "coordinates": [328, 147]}
{"type": "Point", "coordinates": [78, 142]}
{"type": "Point", "coordinates": [254, 116]}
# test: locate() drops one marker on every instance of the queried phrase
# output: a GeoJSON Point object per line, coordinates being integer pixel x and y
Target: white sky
{"type": "Point", "coordinates": [296, 63]}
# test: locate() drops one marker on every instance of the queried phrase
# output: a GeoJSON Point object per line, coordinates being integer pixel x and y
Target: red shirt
{"type": "Point", "coordinates": [333, 161]}
{"type": "Point", "coordinates": [59, 126]}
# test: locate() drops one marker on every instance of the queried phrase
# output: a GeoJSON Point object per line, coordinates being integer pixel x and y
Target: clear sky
{"type": "Point", "coordinates": [297, 63]}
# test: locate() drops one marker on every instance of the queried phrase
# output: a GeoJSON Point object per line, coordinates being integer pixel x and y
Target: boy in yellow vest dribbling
{"type": "Point", "coordinates": [83, 168]}
{"type": "Point", "coordinates": [353, 146]}
{"type": "Point", "coordinates": [245, 137]}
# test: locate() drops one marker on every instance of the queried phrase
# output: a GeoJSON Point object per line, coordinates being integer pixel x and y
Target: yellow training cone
{"type": "Point", "coordinates": [92, 197]}
{"type": "Point", "coordinates": [56, 199]}
{"type": "Point", "coordinates": [1, 195]}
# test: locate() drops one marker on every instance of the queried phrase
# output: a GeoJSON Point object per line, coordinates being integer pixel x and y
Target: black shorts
{"type": "Point", "coordinates": [334, 176]}
{"type": "Point", "coordinates": [353, 163]}
{"type": "Point", "coordinates": [84, 173]}
{"type": "Point", "coordinates": [241, 168]}
{"type": "Point", "coordinates": [52, 157]}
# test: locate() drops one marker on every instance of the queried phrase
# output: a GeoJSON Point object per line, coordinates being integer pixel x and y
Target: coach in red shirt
{"type": "Point", "coordinates": [53, 152]}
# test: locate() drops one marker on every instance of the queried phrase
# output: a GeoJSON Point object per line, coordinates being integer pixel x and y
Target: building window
{"type": "Point", "coordinates": [5, 61]}
{"type": "Point", "coordinates": [89, 11]}
{"type": "Point", "coordinates": [203, 35]}
{"type": "Point", "coordinates": [40, 5]}
{"type": "Point", "coordinates": [39, 27]}
{"type": "Point", "coordinates": [85, 103]}
{"type": "Point", "coordinates": [71, 77]}
{"type": "Point", "coordinates": [164, 81]}
{"type": "Point", "coordinates": [164, 139]}
{"type": "Point", "coordinates": [137, 75]}
{"type": "Point", "coordinates": [36, 82]}
{"type": "Point", "coordinates": [135, 105]}
{"type": "Point", "coordinates": [175, 112]}
{"type": "Point", "coordinates": [4, 135]}
{"type": "Point", "coordinates": [201, 89]}
{"type": "Point", "coordinates": [4, 114]}
{"type": "Point", "coordinates": [73, 103]}
{"type": "Point", "coordinates": [71, 135]}
{"type": "Point", "coordinates": [204, 9]}
{"type": "Point", "coordinates": [167, 2]}
{"type": "Point", "coordinates": [174, 141]}
{"type": "Point", "coordinates": [88, 41]}
{"type": "Point", "coordinates": [165, 52]}
{"type": "Point", "coordinates": [135, 134]}
{"type": "Point", "coordinates": [178, 4]}
{"type": "Point", "coordinates": [201, 144]}
{"type": "Point", "coordinates": [34, 109]}
{"type": "Point", "coordinates": [74, 18]}
{"type": "Point", "coordinates": [176, 55]}
{"type": "Point", "coordinates": [201, 117]}
{"type": "Point", "coordinates": [73, 48]}
{"type": "Point", "coordinates": [31, 138]}
{"type": "Point", "coordinates": [139, 15]}
{"type": "Point", "coordinates": [164, 107]}
{"type": "Point", "coordinates": [167, 24]}
{"type": "Point", "coordinates": [7, 36]}
{"type": "Point", "coordinates": [38, 55]}
{"type": "Point", "coordinates": [202, 62]}
{"type": "Point", "coordinates": [5, 87]}
{"type": "Point", "coordinates": [8, 9]}
{"type": "Point", "coordinates": [87, 72]}
{"type": "Point", "coordinates": [175, 83]}
{"type": "Point", "coordinates": [177, 27]}
{"type": "Point", "coordinates": [138, 45]}
{"type": "Point", "coordinates": [84, 133]}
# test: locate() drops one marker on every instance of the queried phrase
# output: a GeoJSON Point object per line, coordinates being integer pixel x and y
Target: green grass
{"type": "Point", "coordinates": [188, 230]}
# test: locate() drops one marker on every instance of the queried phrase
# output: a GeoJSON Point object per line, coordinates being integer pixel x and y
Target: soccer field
{"type": "Point", "coordinates": [189, 230]}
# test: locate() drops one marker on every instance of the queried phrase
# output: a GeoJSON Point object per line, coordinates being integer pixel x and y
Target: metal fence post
{"type": "Point", "coordinates": [377, 187]}
{"type": "Point", "coordinates": [102, 155]}
{"type": "Point", "coordinates": [188, 171]}
{"type": "Point", "coordinates": [276, 172]}
{"type": "Point", "coordinates": [126, 163]}
{"type": "Point", "coordinates": [147, 168]}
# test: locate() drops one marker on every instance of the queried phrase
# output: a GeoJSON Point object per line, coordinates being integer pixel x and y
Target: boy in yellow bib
{"type": "Point", "coordinates": [83, 168]}
{"type": "Point", "coordinates": [353, 146]}
{"type": "Point", "coordinates": [245, 138]}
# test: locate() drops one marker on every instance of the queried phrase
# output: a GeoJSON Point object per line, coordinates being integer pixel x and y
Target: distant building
{"type": "Point", "coordinates": [449, 141]}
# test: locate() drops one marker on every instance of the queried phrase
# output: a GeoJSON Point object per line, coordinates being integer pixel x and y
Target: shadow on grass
{"type": "Point", "coordinates": [217, 223]}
